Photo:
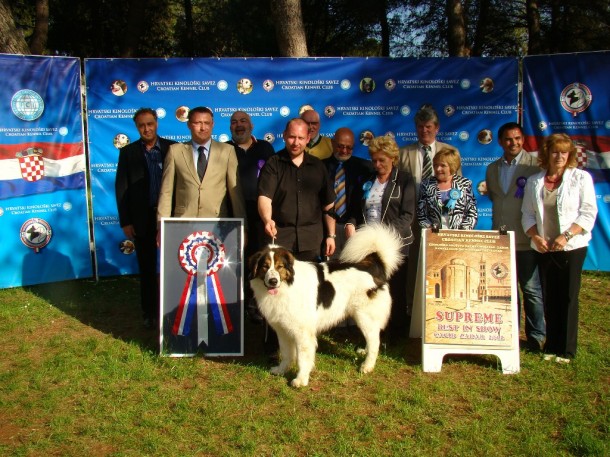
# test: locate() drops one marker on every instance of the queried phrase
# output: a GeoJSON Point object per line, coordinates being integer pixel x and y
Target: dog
{"type": "Point", "coordinates": [300, 299]}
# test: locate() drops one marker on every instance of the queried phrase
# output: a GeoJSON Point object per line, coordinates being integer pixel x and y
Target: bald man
{"type": "Point", "coordinates": [355, 172]}
{"type": "Point", "coordinates": [252, 154]}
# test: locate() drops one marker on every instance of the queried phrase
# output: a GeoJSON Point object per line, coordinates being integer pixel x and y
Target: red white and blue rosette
{"type": "Point", "coordinates": [201, 255]}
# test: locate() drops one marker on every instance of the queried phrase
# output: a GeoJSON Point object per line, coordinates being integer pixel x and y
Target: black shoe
{"type": "Point", "coordinates": [533, 346]}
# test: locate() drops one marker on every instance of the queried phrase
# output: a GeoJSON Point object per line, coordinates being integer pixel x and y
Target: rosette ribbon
{"type": "Point", "coordinates": [201, 255]}
{"type": "Point", "coordinates": [454, 195]}
{"type": "Point", "coordinates": [521, 181]}
{"type": "Point", "coordinates": [366, 187]}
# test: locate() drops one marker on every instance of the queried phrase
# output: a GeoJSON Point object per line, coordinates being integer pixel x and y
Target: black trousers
{"type": "Point", "coordinates": [146, 253]}
{"type": "Point", "coordinates": [560, 274]}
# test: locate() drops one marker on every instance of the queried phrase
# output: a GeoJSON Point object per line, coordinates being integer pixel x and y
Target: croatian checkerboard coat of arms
{"type": "Point", "coordinates": [31, 164]}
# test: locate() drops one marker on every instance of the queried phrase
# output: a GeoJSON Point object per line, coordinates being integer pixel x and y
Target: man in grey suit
{"type": "Point", "coordinates": [200, 178]}
{"type": "Point", "coordinates": [505, 179]}
{"type": "Point", "coordinates": [416, 158]}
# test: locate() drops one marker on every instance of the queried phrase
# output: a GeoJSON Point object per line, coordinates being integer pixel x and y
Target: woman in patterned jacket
{"type": "Point", "coordinates": [446, 200]}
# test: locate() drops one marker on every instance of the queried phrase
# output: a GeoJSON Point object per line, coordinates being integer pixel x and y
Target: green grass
{"type": "Point", "coordinates": [80, 377]}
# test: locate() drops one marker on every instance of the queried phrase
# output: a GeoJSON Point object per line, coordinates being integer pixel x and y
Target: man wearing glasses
{"type": "Point", "coordinates": [319, 146]}
{"type": "Point", "coordinates": [347, 172]}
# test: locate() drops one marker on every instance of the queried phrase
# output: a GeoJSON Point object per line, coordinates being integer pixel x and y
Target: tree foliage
{"type": "Point", "coordinates": [232, 28]}
{"type": "Point", "coordinates": [501, 27]}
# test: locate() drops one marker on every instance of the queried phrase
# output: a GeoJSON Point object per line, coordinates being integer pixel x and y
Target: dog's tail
{"type": "Point", "coordinates": [377, 238]}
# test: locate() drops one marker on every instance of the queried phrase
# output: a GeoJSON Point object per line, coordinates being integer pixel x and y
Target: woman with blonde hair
{"type": "Point", "coordinates": [388, 196]}
{"type": "Point", "coordinates": [558, 214]}
{"type": "Point", "coordinates": [446, 199]}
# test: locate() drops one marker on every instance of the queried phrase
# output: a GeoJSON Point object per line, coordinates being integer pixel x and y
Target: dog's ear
{"type": "Point", "coordinates": [253, 264]}
{"type": "Point", "coordinates": [289, 261]}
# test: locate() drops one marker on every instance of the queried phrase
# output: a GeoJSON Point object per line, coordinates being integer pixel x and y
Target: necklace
{"type": "Point", "coordinates": [548, 179]}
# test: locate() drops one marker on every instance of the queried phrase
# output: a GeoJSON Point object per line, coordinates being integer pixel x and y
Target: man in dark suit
{"type": "Point", "coordinates": [138, 179]}
{"type": "Point", "coordinates": [355, 172]}
{"type": "Point", "coordinates": [252, 154]}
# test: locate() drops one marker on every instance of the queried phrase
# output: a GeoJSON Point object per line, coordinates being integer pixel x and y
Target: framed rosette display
{"type": "Point", "coordinates": [201, 287]}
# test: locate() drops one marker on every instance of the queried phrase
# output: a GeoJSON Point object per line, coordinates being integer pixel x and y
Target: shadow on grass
{"type": "Point", "coordinates": [112, 306]}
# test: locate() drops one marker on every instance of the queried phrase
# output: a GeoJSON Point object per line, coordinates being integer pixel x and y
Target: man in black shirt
{"type": "Point", "coordinates": [295, 195]}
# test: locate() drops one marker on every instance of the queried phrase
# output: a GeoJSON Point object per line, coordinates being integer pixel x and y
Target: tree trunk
{"type": "Point", "coordinates": [456, 30]}
{"type": "Point", "coordinates": [40, 35]}
{"type": "Point", "coordinates": [289, 28]}
{"type": "Point", "coordinates": [189, 41]}
{"type": "Point", "coordinates": [11, 39]}
{"type": "Point", "coordinates": [385, 28]}
{"type": "Point", "coordinates": [482, 27]}
{"type": "Point", "coordinates": [534, 45]}
{"type": "Point", "coordinates": [134, 29]}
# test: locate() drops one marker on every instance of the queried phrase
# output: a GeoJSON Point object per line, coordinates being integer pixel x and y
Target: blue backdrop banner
{"type": "Point", "coordinates": [568, 93]}
{"type": "Point", "coordinates": [373, 96]}
{"type": "Point", "coordinates": [43, 204]}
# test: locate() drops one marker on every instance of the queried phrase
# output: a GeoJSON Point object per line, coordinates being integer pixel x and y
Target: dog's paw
{"type": "Point", "coordinates": [297, 382]}
{"type": "Point", "coordinates": [278, 370]}
{"type": "Point", "coordinates": [366, 368]}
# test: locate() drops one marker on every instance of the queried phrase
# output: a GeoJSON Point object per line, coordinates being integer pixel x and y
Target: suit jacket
{"type": "Point", "coordinates": [132, 185]}
{"type": "Point", "coordinates": [410, 161]}
{"type": "Point", "coordinates": [506, 207]}
{"type": "Point", "coordinates": [462, 217]}
{"type": "Point", "coordinates": [357, 171]}
{"type": "Point", "coordinates": [397, 204]}
{"type": "Point", "coordinates": [219, 194]}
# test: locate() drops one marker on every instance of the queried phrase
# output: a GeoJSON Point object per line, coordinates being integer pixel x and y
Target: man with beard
{"type": "Point", "coordinates": [347, 173]}
{"type": "Point", "coordinates": [251, 154]}
{"type": "Point", "coordinates": [318, 145]}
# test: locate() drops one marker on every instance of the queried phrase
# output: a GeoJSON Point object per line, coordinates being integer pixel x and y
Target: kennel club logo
{"type": "Point", "coordinates": [575, 98]}
{"type": "Point", "coordinates": [27, 105]}
{"type": "Point", "coordinates": [201, 255]}
{"type": "Point", "coordinates": [31, 164]}
{"type": "Point", "coordinates": [36, 233]}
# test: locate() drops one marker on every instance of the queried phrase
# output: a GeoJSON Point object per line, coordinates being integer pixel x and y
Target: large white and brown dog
{"type": "Point", "coordinates": [301, 299]}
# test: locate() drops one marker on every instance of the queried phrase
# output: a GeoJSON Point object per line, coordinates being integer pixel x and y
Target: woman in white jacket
{"type": "Point", "coordinates": [558, 214]}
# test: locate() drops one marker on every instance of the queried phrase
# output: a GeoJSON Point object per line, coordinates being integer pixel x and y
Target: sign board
{"type": "Point", "coordinates": [202, 287]}
{"type": "Point", "coordinates": [466, 297]}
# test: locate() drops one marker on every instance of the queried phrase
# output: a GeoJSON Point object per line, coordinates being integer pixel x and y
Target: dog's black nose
{"type": "Point", "coordinates": [273, 282]}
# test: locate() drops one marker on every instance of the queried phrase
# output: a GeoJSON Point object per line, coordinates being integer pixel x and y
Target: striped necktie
{"type": "Point", "coordinates": [426, 169]}
{"type": "Point", "coordinates": [340, 190]}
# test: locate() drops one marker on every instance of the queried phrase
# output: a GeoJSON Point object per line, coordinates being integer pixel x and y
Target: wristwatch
{"type": "Point", "coordinates": [569, 235]}
{"type": "Point", "coordinates": [331, 236]}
